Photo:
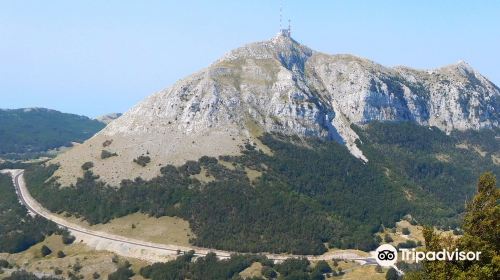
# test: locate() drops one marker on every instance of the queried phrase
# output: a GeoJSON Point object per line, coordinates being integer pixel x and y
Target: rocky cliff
{"type": "Point", "coordinates": [281, 86]}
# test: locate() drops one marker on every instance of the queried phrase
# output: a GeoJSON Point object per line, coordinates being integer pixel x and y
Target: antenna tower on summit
{"type": "Point", "coordinates": [283, 31]}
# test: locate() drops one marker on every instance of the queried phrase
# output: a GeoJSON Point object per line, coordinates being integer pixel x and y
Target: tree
{"type": "Point", "coordinates": [392, 274]}
{"type": "Point", "coordinates": [4, 263]}
{"type": "Point", "coordinates": [388, 238]}
{"type": "Point", "coordinates": [107, 154]}
{"type": "Point", "coordinates": [269, 272]}
{"type": "Point", "coordinates": [142, 160]}
{"type": "Point", "coordinates": [481, 233]}
{"type": "Point", "coordinates": [323, 267]}
{"type": "Point", "coordinates": [86, 166]}
{"type": "Point", "coordinates": [316, 275]}
{"type": "Point", "coordinates": [45, 251]}
{"type": "Point", "coordinates": [122, 273]}
{"type": "Point", "coordinates": [68, 238]}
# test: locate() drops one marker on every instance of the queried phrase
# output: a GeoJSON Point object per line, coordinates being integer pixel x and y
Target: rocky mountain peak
{"type": "Point", "coordinates": [282, 86]}
{"type": "Point", "coordinates": [282, 47]}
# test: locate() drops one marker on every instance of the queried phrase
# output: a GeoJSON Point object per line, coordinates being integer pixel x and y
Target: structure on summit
{"type": "Point", "coordinates": [287, 32]}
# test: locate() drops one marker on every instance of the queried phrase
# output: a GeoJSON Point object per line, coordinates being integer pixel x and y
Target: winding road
{"type": "Point", "coordinates": [140, 249]}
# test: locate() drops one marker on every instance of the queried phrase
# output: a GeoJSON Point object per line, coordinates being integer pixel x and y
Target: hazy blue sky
{"type": "Point", "coordinates": [94, 57]}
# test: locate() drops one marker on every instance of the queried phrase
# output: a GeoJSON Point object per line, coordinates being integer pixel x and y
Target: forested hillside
{"type": "Point", "coordinates": [435, 170]}
{"type": "Point", "coordinates": [18, 230]}
{"type": "Point", "coordinates": [29, 131]}
{"type": "Point", "coordinates": [308, 192]}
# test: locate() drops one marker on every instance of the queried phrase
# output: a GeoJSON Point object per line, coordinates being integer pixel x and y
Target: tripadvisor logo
{"type": "Point", "coordinates": [387, 255]}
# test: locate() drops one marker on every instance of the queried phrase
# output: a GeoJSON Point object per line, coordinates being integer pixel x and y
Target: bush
{"type": "Point", "coordinates": [388, 238]}
{"type": "Point", "coordinates": [4, 264]}
{"type": "Point", "coordinates": [45, 251]}
{"type": "Point", "coordinates": [96, 275]}
{"type": "Point", "coordinates": [77, 267]}
{"type": "Point", "coordinates": [107, 154]}
{"type": "Point", "coordinates": [68, 239]}
{"type": "Point", "coordinates": [269, 272]}
{"type": "Point", "coordinates": [392, 274]}
{"type": "Point", "coordinates": [107, 143]}
{"type": "Point", "coordinates": [61, 254]}
{"type": "Point", "coordinates": [142, 160]}
{"type": "Point", "coordinates": [408, 244]}
{"type": "Point", "coordinates": [405, 231]}
{"type": "Point", "coordinates": [86, 166]}
{"type": "Point", "coordinates": [24, 275]}
{"type": "Point", "coordinates": [122, 273]}
{"type": "Point", "coordinates": [323, 267]}
{"type": "Point", "coordinates": [190, 168]}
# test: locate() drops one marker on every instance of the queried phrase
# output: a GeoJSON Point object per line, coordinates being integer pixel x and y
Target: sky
{"type": "Point", "coordinates": [95, 57]}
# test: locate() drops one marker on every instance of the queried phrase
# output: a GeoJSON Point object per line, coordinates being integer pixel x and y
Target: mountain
{"type": "Point", "coordinates": [281, 86]}
{"type": "Point", "coordinates": [279, 148]}
{"type": "Point", "coordinates": [106, 119]}
{"type": "Point", "coordinates": [25, 132]}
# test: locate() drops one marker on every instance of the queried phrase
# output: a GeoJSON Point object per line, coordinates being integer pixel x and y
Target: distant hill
{"type": "Point", "coordinates": [108, 117]}
{"type": "Point", "coordinates": [33, 130]}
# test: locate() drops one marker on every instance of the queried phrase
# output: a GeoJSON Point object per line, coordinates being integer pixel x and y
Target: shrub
{"type": "Point", "coordinates": [388, 238]}
{"type": "Point", "coordinates": [323, 267]}
{"type": "Point", "coordinates": [408, 244]}
{"type": "Point", "coordinates": [121, 273]}
{"type": "Point", "coordinates": [392, 274]}
{"type": "Point", "coordinates": [269, 272]}
{"type": "Point", "coordinates": [86, 166]}
{"type": "Point", "coordinates": [96, 275]}
{"type": "Point", "coordinates": [107, 143]}
{"type": "Point", "coordinates": [77, 267]}
{"type": "Point", "coordinates": [405, 231]}
{"type": "Point", "coordinates": [142, 160]}
{"type": "Point", "coordinates": [190, 168]}
{"type": "Point", "coordinates": [68, 239]}
{"type": "Point", "coordinates": [45, 251]}
{"type": "Point", "coordinates": [61, 254]}
{"type": "Point", "coordinates": [107, 154]}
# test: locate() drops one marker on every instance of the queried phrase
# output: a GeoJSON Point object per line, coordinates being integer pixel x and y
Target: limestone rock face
{"type": "Point", "coordinates": [106, 119]}
{"type": "Point", "coordinates": [282, 86]}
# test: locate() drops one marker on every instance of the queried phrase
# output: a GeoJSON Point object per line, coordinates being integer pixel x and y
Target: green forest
{"type": "Point", "coordinates": [310, 193]}
{"type": "Point", "coordinates": [209, 267]}
{"type": "Point", "coordinates": [18, 230]}
{"type": "Point", "coordinates": [26, 132]}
